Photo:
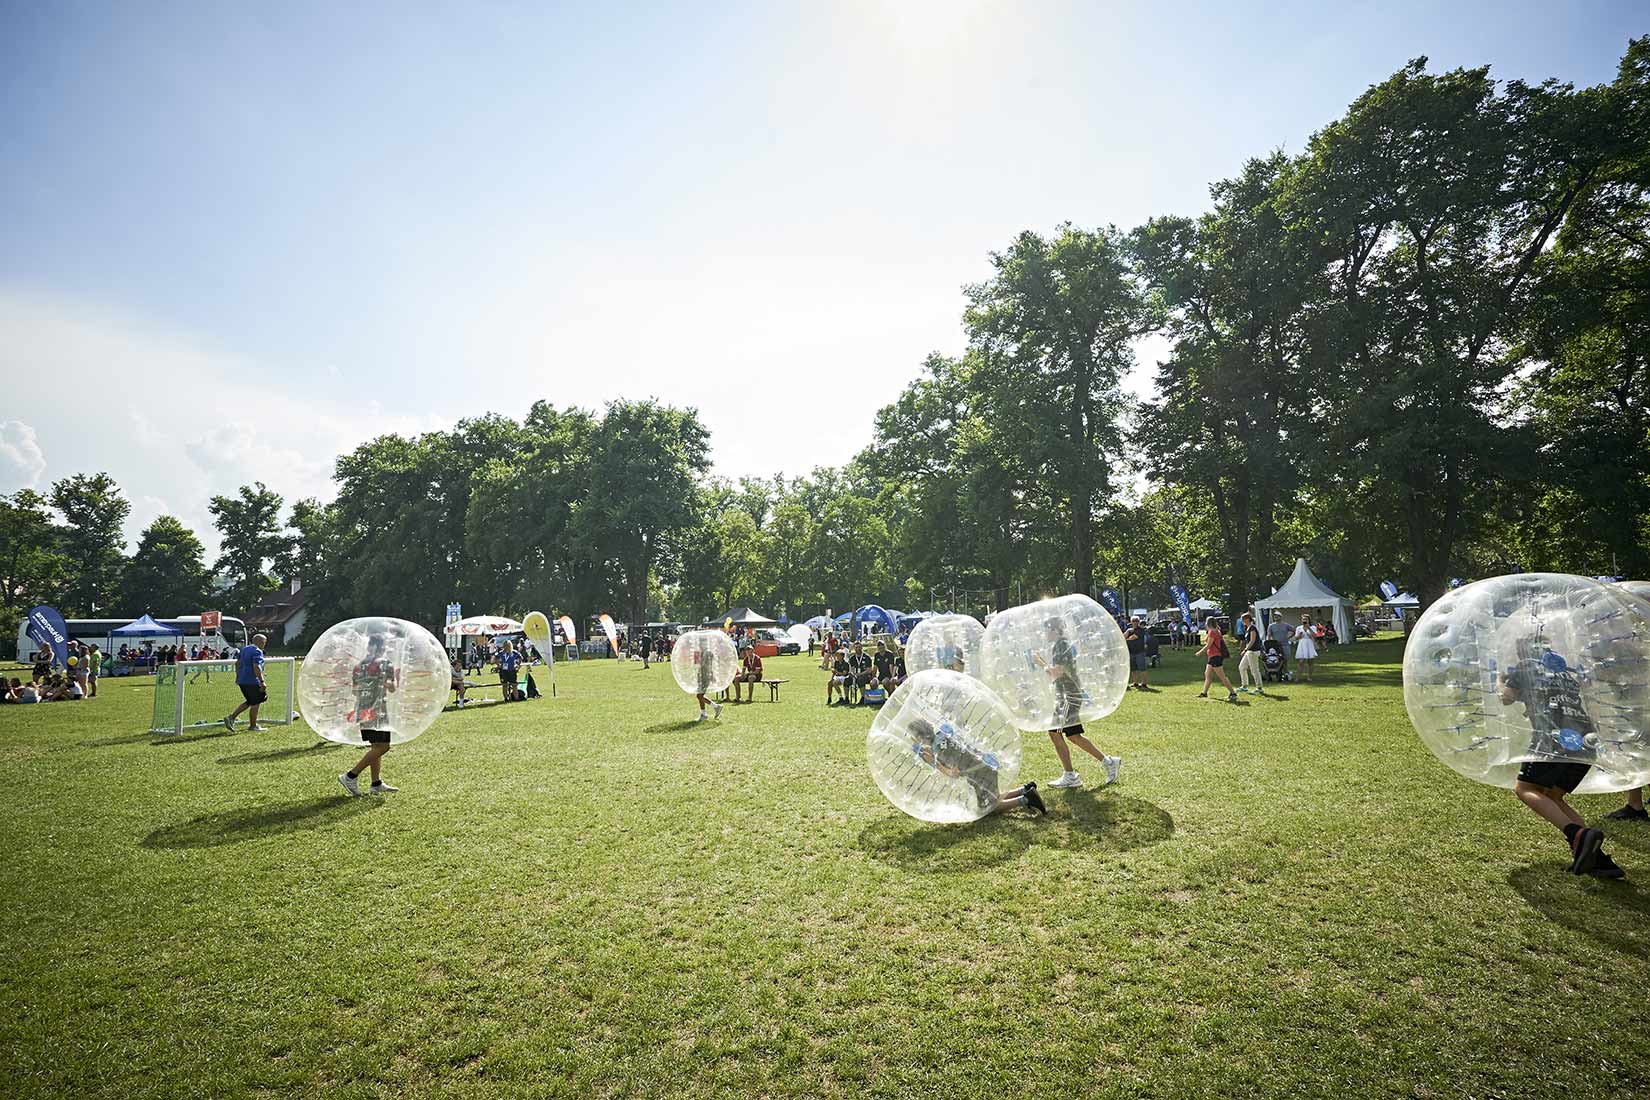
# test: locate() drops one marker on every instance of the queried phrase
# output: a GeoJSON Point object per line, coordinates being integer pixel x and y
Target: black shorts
{"type": "Point", "coordinates": [1563, 774]}
{"type": "Point", "coordinates": [1216, 662]}
{"type": "Point", "coordinates": [863, 679]}
{"type": "Point", "coordinates": [376, 737]}
{"type": "Point", "coordinates": [507, 677]}
{"type": "Point", "coordinates": [254, 693]}
{"type": "Point", "coordinates": [1073, 730]}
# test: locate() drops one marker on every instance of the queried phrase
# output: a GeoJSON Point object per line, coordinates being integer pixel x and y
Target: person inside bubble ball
{"type": "Point", "coordinates": [948, 753]}
{"type": "Point", "coordinates": [372, 679]}
{"type": "Point", "coordinates": [1550, 691]}
{"type": "Point", "coordinates": [1061, 665]}
{"type": "Point", "coordinates": [702, 668]}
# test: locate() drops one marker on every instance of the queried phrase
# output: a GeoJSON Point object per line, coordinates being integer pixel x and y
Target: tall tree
{"type": "Point", "coordinates": [645, 461]}
{"type": "Point", "coordinates": [251, 541]}
{"type": "Point", "coordinates": [1055, 327]}
{"type": "Point", "coordinates": [1233, 413]}
{"type": "Point", "coordinates": [167, 574]}
{"type": "Point", "coordinates": [32, 565]}
{"type": "Point", "coordinates": [95, 511]}
{"type": "Point", "coordinates": [1435, 197]}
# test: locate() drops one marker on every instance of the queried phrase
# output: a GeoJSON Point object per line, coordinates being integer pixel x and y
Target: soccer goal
{"type": "Point", "coordinates": [196, 694]}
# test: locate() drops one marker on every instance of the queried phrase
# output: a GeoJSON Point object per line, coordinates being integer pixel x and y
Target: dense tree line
{"type": "Point", "coordinates": [1417, 349]}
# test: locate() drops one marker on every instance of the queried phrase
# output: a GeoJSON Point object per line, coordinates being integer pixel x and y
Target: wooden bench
{"type": "Point", "coordinates": [772, 686]}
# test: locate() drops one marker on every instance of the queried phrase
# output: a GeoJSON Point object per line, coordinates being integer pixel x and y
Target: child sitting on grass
{"type": "Point", "coordinates": [1559, 724]}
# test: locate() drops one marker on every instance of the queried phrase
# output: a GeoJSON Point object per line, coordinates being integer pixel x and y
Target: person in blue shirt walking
{"type": "Point", "coordinates": [249, 677]}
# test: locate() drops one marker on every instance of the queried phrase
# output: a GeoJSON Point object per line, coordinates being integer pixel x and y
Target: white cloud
{"type": "Point", "coordinates": [172, 420]}
{"type": "Point", "coordinates": [21, 459]}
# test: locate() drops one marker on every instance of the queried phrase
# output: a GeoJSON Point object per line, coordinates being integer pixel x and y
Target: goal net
{"type": "Point", "coordinates": [196, 694]}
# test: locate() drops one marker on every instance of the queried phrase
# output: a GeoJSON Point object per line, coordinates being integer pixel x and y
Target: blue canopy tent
{"type": "Point", "coordinates": [910, 621]}
{"type": "Point", "coordinates": [876, 616]}
{"type": "Point", "coordinates": [145, 627]}
{"type": "Point", "coordinates": [845, 618]}
{"type": "Point", "coordinates": [142, 627]}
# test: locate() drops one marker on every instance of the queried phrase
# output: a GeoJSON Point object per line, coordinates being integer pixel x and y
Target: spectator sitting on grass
{"type": "Point", "coordinates": [19, 692]}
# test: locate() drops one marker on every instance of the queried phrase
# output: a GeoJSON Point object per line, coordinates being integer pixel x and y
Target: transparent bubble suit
{"type": "Point", "coordinates": [1534, 667]}
{"type": "Point", "coordinates": [945, 641]}
{"type": "Point", "coordinates": [1056, 662]}
{"type": "Point", "coordinates": [704, 661]}
{"type": "Point", "coordinates": [944, 748]}
{"type": "Point", "coordinates": [373, 673]}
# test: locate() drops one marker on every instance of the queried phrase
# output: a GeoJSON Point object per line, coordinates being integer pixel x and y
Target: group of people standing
{"type": "Point", "coordinates": [1251, 644]}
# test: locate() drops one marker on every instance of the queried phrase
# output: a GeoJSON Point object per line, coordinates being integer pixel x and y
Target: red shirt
{"type": "Point", "coordinates": [1217, 644]}
{"type": "Point", "coordinates": [753, 663]}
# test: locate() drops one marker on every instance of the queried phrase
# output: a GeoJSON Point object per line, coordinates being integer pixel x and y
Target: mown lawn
{"type": "Point", "coordinates": [591, 896]}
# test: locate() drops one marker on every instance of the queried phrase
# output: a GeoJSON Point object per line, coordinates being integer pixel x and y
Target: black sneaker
{"type": "Point", "coordinates": [1585, 851]}
{"type": "Point", "coordinates": [1629, 813]}
{"type": "Point", "coordinates": [1605, 867]}
{"type": "Point", "coordinates": [1035, 800]}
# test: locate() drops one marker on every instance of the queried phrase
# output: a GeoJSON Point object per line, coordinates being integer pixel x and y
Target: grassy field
{"type": "Point", "coordinates": [591, 896]}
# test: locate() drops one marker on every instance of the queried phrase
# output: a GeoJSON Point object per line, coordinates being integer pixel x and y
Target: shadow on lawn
{"type": "Point", "coordinates": [106, 742]}
{"type": "Point", "coordinates": [279, 754]}
{"type": "Point", "coordinates": [235, 826]}
{"type": "Point", "coordinates": [1614, 913]}
{"type": "Point", "coordinates": [676, 727]}
{"type": "Point", "coordinates": [187, 738]}
{"type": "Point", "coordinates": [1079, 821]}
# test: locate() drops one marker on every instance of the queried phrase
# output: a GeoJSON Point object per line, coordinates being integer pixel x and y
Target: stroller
{"type": "Point", "coordinates": [1273, 666]}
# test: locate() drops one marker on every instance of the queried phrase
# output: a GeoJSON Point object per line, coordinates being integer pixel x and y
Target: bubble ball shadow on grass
{"type": "Point", "coordinates": [1080, 821]}
{"type": "Point", "coordinates": [1615, 914]}
{"type": "Point", "coordinates": [235, 826]}
{"type": "Point", "coordinates": [271, 755]}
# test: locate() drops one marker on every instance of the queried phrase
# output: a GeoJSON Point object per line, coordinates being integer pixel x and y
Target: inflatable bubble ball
{"type": "Point", "coordinates": [945, 641]}
{"type": "Point", "coordinates": [1056, 663]}
{"type": "Point", "coordinates": [944, 748]}
{"type": "Point", "coordinates": [1641, 589]}
{"type": "Point", "coordinates": [704, 661]}
{"type": "Point", "coordinates": [1534, 668]}
{"type": "Point", "coordinates": [373, 674]}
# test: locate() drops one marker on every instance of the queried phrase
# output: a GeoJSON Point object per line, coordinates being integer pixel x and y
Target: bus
{"type": "Point", "coordinates": [231, 632]}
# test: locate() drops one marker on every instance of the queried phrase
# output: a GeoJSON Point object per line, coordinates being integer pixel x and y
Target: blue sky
{"type": "Point", "coordinates": [238, 239]}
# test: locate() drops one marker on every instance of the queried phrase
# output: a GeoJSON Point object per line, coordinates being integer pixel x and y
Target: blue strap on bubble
{"type": "Point", "coordinates": [1552, 662]}
{"type": "Point", "coordinates": [1571, 740]}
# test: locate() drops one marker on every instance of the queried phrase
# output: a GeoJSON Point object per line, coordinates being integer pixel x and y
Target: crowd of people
{"type": "Point", "coordinates": [49, 684]}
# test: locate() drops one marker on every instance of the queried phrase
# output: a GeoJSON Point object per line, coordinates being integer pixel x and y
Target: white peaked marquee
{"type": "Point", "coordinates": [1303, 593]}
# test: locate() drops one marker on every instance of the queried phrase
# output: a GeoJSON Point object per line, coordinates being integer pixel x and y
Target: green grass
{"type": "Point", "coordinates": [591, 896]}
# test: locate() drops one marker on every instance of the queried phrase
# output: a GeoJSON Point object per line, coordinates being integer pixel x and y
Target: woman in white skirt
{"type": "Point", "coordinates": [1306, 647]}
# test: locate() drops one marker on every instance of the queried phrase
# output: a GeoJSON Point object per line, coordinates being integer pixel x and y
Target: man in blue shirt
{"type": "Point", "coordinates": [509, 661]}
{"type": "Point", "coordinates": [249, 677]}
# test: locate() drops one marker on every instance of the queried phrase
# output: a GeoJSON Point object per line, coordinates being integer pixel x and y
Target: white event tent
{"type": "Point", "coordinates": [483, 625]}
{"type": "Point", "coordinates": [1304, 593]}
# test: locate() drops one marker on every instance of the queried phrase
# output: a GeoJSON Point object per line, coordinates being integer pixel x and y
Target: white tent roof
{"type": "Point", "coordinates": [1405, 600]}
{"type": "Point", "coordinates": [484, 624]}
{"type": "Point", "coordinates": [1204, 605]}
{"type": "Point", "coordinates": [1303, 591]}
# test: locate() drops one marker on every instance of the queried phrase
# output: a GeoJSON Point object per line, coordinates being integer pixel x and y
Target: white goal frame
{"type": "Point", "coordinates": [275, 713]}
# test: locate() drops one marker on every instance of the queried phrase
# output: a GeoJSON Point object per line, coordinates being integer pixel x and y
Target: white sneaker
{"type": "Point", "coordinates": [1067, 779]}
{"type": "Point", "coordinates": [229, 724]}
{"type": "Point", "coordinates": [718, 708]}
{"type": "Point", "coordinates": [383, 788]}
{"type": "Point", "coordinates": [349, 784]}
{"type": "Point", "coordinates": [1113, 765]}
{"type": "Point", "coordinates": [702, 717]}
